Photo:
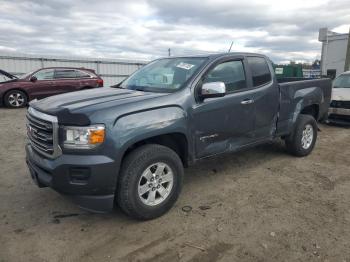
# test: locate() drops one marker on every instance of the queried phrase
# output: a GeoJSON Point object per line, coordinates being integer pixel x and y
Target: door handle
{"type": "Point", "coordinates": [247, 101]}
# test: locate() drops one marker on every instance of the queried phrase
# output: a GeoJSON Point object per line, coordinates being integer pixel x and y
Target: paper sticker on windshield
{"type": "Point", "coordinates": [185, 66]}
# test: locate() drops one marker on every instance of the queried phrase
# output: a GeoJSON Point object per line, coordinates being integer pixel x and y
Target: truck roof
{"type": "Point", "coordinates": [215, 56]}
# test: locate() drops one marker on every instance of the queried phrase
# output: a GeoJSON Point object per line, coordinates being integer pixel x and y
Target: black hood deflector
{"type": "Point", "coordinates": [2, 72]}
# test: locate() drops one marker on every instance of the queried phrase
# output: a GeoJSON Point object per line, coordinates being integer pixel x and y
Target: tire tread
{"type": "Point", "coordinates": [293, 141]}
{"type": "Point", "coordinates": [133, 162]}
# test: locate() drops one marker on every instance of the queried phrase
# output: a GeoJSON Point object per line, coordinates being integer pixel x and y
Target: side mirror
{"type": "Point", "coordinates": [213, 89]}
{"type": "Point", "coordinates": [33, 79]}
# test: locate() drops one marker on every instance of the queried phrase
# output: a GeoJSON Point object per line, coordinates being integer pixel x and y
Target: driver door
{"type": "Point", "coordinates": [42, 85]}
{"type": "Point", "coordinates": [225, 123]}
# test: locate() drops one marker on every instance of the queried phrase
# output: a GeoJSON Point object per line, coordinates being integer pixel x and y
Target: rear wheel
{"type": "Point", "coordinates": [15, 99]}
{"type": "Point", "coordinates": [302, 141]}
{"type": "Point", "coordinates": [150, 181]}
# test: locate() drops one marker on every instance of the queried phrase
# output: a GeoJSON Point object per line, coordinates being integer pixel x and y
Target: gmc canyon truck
{"type": "Point", "coordinates": [127, 145]}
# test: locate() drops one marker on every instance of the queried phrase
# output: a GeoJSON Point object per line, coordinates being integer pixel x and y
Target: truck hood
{"type": "Point", "coordinates": [341, 94]}
{"type": "Point", "coordinates": [86, 101]}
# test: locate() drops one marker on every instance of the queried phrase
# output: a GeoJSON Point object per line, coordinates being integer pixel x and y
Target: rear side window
{"type": "Point", "coordinates": [65, 73]}
{"type": "Point", "coordinates": [260, 70]}
{"type": "Point", "coordinates": [82, 74]}
{"type": "Point", "coordinates": [231, 73]}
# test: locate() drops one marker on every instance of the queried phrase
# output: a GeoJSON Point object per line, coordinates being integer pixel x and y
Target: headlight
{"type": "Point", "coordinates": [76, 137]}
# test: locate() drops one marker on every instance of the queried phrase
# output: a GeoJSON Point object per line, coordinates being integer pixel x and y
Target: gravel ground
{"type": "Point", "coordinates": [257, 205]}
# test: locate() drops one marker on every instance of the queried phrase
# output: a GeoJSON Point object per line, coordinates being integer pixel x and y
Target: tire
{"type": "Point", "coordinates": [15, 99]}
{"type": "Point", "coordinates": [138, 169]}
{"type": "Point", "coordinates": [302, 141]}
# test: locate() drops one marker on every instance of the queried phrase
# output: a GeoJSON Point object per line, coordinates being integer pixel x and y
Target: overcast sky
{"type": "Point", "coordinates": [284, 30]}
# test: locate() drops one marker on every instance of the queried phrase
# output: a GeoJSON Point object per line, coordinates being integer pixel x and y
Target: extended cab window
{"type": "Point", "coordinates": [65, 73]}
{"type": "Point", "coordinates": [46, 74]}
{"type": "Point", "coordinates": [260, 70]}
{"type": "Point", "coordinates": [231, 73]}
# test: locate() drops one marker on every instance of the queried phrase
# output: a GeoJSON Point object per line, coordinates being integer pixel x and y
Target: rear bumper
{"type": "Point", "coordinates": [89, 181]}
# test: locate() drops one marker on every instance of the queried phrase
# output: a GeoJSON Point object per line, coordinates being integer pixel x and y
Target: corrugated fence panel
{"type": "Point", "coordinates": [50, 63]}
{"type": "Point", "coordinates": [112, 71]}
{"type": "Point", "coordinates": [118, 69]}
{"type": "Point", "coordinates": [19, 66]}
{"type": "Point", "coordinates": [109, 81]}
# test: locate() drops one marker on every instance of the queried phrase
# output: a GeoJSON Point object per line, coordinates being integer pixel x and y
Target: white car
{"type": "Point", "coordinates": [339, 111]}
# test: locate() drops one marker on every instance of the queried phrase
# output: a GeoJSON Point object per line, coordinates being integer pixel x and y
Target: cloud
{"type": "Point", "coordinates": [143, 29]}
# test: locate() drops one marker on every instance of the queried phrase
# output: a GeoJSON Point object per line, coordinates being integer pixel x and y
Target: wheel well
{"type": "Point", "coordinates": [312, 110]}
{"type": "Point", "coordinates": [19, 89]}
{"type": "Point", "coordinates": [175, 141]}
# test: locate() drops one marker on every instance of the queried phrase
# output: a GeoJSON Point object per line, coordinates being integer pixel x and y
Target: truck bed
{"type": "Point", "coordinates": [295, 94]}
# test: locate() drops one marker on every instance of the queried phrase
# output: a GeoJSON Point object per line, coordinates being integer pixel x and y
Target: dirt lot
{"type": "Point", "coordinates": [259, 205]}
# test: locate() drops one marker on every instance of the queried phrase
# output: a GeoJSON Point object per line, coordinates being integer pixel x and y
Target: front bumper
{"type": "Point", "coordinates": [339, 111]}
{"type": "Point", "coordinates": [339, 115]}
{"type": "Point", "coordinates": [89, 180]}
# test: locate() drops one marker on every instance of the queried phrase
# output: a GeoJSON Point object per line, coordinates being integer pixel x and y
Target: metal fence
{"type": "Point", "coordinates": [111, 70]}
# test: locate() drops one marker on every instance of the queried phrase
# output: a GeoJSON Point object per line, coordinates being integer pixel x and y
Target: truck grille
{"type": "Point", "coordinates": [340, 104]}
{"type": "Point", "coordinates": [42, 132]}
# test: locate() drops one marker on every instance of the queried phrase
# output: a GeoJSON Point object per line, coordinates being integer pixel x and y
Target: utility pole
{"type": "Point", "coordinates": [169, 53]}
{"type": "Point", "coordinates": [347, 57]}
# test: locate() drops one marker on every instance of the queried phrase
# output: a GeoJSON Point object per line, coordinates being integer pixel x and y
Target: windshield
{"type": "Point", "coordinates": [26, 75]}
{"type": "Point", "coordinates": [163, 75]}
{"type": "Point", "coordinates": [342, 81]}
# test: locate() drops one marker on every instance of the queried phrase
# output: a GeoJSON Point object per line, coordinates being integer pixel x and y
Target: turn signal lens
{"type": "Point", "coordinates": [97, 136]}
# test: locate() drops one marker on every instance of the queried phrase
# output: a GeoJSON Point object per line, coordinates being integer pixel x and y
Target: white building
{"type": "Point", "coordinates": [112, 71]}
{"type": "Point", "coordinates": [335, 58]}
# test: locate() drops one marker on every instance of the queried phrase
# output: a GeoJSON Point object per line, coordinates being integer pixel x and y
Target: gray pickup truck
{"type": "Point", "coordinates": [127, 145]}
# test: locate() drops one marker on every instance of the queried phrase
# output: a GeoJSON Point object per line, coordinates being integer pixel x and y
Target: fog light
{"type": "Point", "coordinates": [79, 175]}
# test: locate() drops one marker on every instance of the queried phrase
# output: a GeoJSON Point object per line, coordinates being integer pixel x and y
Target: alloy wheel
{"type": "Point", "coordinates": [16, 99]}
{"type": "Point", "coordinates": [155, 184]}
{"type": "Point", "coordinates": [307, 136]}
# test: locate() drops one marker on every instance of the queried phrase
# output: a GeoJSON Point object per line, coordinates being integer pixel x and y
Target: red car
{"type": "Point", "coordinates": [17, 92]}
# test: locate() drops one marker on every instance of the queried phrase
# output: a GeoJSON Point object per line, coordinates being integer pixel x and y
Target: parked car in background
{"type": "Point", "coordinates": [17, 92]}
{"type": "Point", "coordinates": [128, 145]}
{"type": "Point", "coordinates": [339, 111]}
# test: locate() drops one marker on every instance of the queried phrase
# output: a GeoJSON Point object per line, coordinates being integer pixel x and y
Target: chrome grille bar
{"type": "Point", "coordinates": [42, 132]}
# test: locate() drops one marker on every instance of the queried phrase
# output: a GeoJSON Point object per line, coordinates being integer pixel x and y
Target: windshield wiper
{"type": "Point", "coordinates": [119, 85]}
{"type": "Point", "coordinates": [137, 88]}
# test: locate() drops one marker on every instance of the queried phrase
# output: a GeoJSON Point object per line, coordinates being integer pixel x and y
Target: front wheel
{"type": "Point", "coordinates": [150, 181]}
{"type": "Point", "coordinates": [302, 141]}
{"type": "Point", "coordinates": [15, 99]}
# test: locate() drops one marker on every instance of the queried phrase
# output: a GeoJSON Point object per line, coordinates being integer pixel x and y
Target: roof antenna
{"type": "Point", "coordinates": [230, 47]}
